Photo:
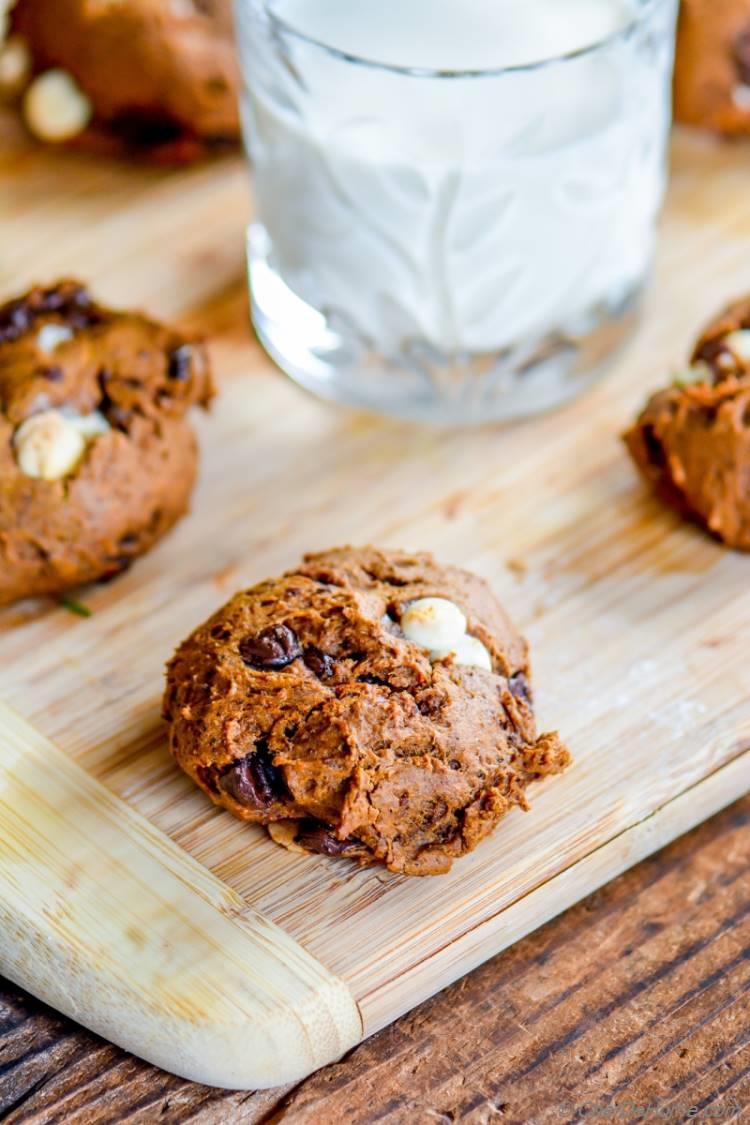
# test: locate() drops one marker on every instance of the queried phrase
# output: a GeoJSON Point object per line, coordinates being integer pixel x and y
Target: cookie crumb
{"type": "Point", "coordinates": [517, 567]}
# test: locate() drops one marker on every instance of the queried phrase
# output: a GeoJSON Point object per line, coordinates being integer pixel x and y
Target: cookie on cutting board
{"type": "Point", "coordinates": [691, 442]}
{"type": "Point", "coordinates": [368, 704]}
{"type": "Point", "coordinates": [97, 456]}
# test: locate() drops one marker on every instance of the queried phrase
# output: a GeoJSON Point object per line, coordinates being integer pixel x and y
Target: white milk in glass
{"type": "Point", "coordinates": [452, 185]}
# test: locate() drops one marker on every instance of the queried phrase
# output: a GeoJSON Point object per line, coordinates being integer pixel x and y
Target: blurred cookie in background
{"type": "Point", "coordinates": [691, 442]}
{"type": "Point", "coordinates": [97, 455]}
{"type": "Point", "coordinates": [712, 72]}
{"type": "Point", "coordinates": [156, 78]}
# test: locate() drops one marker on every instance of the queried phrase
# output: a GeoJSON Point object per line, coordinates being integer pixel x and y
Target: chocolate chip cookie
{"type": "Point", "coordinates": [692, 440]}
{"type": "Point", "coordinates": [712, 70]}
{"type": "Point", "coordinates": [97, 458]}
{"type": "Point", "coordinates": [156, 75]}
{"type": "Point", "coordinates": [369, 704]}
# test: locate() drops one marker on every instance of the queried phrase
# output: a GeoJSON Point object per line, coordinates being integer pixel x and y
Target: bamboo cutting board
{"type": "Point", "coordinates": [126, 899]}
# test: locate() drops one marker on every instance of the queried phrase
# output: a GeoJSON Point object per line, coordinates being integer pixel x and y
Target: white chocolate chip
{"type": "Point", "coordinates": [49, 445]}
{"type": "Point", "coordinates": [433, 623]}
{"type": "Point", "coordinates": [55, 108]}
{"type": "Point", "coordinates": [469, 652]}
{"type": "Point", "coordinates": [698, 372]}
{"type": "Point", "coordinates": [89, 426]}
{"type": "Point", "coordinates": [50, 336]}
{"type": "Point", "coordinates": [741, 96]}
{"type": "Point", "coordinates": [15, 65]}
{"type": "Point", "coordinates": [739, 344]}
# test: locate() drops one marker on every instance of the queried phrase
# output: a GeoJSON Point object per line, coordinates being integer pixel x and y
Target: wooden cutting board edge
{"type": "Point", "coordinates": [553, 895]}
{"type": "Point", "coordinates": [177, 969]}
{"type": "Point", "coordinates": [107, 920]}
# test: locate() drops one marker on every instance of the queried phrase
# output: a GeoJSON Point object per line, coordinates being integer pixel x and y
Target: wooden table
{"type": "Point", "coordinates": [638, 996]}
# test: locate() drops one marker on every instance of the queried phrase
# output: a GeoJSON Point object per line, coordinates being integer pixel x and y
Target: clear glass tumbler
{"type": "Point", "coordinates": [453, 246]}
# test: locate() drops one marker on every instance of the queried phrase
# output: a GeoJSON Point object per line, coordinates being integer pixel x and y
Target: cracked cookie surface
{"type": "Point", "coordinates": [75, 509]}
{"type": "Point", "coordinates": [692, 440]}
{"type": "Point", "coordinates": [302, 705]}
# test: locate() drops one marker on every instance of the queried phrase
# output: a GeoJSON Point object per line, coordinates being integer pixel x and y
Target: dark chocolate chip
{"type": "Point", "coordinates": [368, 678]}
{"type": "Point", "coordinates": [654, 448]}
{"type": "Point", "coordinates": [179, 363]}
{"type": "Point", "coordinates": [275, 647]}
{"type": "Point", "coordinates": [254, 782]}
{"type": "Point", "coordinates": [521, 688]}
{"type": "Point", "coordinates": [430, 703]}
{"type": "Point", "coordinates": [118, 564]}
{"type": "Point", "coordinates": [741, 55]}
{"type": "Point", "coordinates": [206, 774]}
{"type": "Point", "coordinates": [78, 319]}
{"type": "Point", "coordinates": [15, 319]}
{"type": "Point", "coordinates": [717, 356]}
{"type": "Point", "coordinates": [435, 811]}
{"type": "Point", "coordinates": [63, 299]}
{"type": "Point", "coordinates": [70, 302]}
{"type": "Point", "coordinates": [117, 416]}
{"type": "Point", "coordinates": [320, 663]}
{"type": "Point", "coordinates": [317, 837]}
{"type": "Point", "coordinates": [140, 129]}
{"type": "Point", "coordinates": [81, 297]}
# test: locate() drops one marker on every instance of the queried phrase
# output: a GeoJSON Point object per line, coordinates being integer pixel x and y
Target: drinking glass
{"type": "Point", "coordinates": [448, 245]}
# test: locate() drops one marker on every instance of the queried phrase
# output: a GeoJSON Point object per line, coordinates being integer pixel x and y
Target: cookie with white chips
{"type": "Point", "coordinates": [157, 77]}
{"type": "Point", "coordinates": [97, 455]}
{"type": "Point", "coordinates": [369, 704]}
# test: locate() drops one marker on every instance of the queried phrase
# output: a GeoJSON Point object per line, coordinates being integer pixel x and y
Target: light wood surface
{"type": "Point", "coordinates": [637, 996]}
{"type": "Point", "coordinates": [637, 623]}
{"type": "Point", "coordinates": [116, 925]}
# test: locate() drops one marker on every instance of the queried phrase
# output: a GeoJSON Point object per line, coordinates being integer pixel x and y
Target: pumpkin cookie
{"type": "Point", "coordinates": [97, 459]}
{"type": "Point", "coordinates": [371, 704]}
{"type": "Point", "coordinates": [692, 440]}
{"type": "Point", "coordinates": [712, 69]}
{"type": "Point", "coordinates": [158, 76]}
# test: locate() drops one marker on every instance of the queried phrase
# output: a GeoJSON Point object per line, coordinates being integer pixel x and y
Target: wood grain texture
{"type": "Point", "coordinates": [637, 622]}
{"type": "Point", "coordinates": [640, 995]}
{"type": "Point", "coordinates": [109, 921]}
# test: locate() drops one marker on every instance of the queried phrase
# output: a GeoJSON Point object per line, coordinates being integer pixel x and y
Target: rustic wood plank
{"type": "Point", "coordinates": [51, 1071]}
{"type": "Point", "coordinates": [639, 995]}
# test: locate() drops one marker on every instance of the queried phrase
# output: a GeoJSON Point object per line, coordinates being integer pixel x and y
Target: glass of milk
{"type": "Point", "coordinates": [456, 199]}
